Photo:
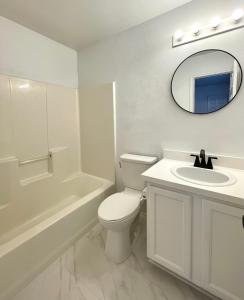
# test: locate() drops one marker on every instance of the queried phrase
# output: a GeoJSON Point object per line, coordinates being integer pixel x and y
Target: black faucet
{"type": "Point", "coordinates": [203, 164]}
{"type": "Point", "coordinates": [203, 159]}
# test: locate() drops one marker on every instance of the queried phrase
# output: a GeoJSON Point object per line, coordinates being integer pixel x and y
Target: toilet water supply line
{"type": "Point", "coordinates": [143, 195]}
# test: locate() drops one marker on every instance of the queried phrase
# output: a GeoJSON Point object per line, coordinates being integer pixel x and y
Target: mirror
{"type": "Point", "coordinates": [206, 81]}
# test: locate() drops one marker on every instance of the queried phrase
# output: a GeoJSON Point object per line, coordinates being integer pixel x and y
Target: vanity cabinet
{"type": "Point", "coordinates": [200, 239]}
{"type": "Point", "coordinates": [170, 230]}
{"type": "Point", "coordinates": [223, 250]}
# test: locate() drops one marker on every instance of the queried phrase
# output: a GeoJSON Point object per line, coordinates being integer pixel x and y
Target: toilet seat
{"type": "Point", "coordinates": [119, 206]}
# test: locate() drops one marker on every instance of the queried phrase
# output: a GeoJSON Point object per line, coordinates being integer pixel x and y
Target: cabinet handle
{"type": "Point", "coordinates": [243, 221]}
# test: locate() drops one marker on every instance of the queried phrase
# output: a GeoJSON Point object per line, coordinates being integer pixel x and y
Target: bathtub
{"type": "Point", "coordinates": [29, 247]}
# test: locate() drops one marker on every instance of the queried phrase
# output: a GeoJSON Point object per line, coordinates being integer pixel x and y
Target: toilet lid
{"type": "Point", "coordinates": [118, 206]}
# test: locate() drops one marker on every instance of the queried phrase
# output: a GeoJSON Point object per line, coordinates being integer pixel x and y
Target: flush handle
{"type": "Point", "coordinates": [243, 221]}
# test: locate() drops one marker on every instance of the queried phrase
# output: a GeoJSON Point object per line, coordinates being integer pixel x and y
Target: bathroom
{"type": "Point", "coordinates": [113, 183]}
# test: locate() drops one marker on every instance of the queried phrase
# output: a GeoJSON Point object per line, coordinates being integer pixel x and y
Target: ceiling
{"type": "Point", "coordinates": [78, 23]}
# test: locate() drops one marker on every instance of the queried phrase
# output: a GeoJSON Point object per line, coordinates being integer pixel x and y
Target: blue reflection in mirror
{"type": "Point", "coordinates": [212, 92]}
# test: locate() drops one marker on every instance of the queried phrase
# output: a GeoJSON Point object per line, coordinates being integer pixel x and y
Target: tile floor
{"type": "Point", "coordinates": [84, 273]}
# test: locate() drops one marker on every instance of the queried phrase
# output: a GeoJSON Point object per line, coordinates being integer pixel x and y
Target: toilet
{"type": "Point", "coordinates": [117, 212]}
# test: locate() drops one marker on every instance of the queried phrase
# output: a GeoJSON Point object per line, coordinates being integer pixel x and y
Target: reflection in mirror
{"type": "Point", "coordinates": [206, 81]}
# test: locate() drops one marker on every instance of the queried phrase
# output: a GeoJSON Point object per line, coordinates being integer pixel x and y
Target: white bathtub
{"type": "Point", "coordinates": [31, 246]}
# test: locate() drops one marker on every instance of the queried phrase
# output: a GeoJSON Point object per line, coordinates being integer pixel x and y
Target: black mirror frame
{"type": "Point", "coordinates": [171, 88]}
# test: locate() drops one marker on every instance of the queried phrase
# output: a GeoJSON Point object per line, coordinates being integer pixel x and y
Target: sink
{"type": "Point", "coordinates": [203, 176]}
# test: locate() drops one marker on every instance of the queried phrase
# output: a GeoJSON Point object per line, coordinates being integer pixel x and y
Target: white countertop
{"type": "Point", "coordinates": [161, 174]}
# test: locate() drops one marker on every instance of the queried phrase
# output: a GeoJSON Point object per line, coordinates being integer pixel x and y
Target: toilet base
{"type": "Point", "coordinates": [118, 247]}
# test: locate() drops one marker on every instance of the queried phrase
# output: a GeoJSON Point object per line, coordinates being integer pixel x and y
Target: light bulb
{"type": "Point", "coordinates": [237, 15]}
{"type": "Point", "coordinates": [24, 86]}
{"type": "Point", "coordinates": [196, 29]}
{"type": "Point", "coordinates": [179, 35]}
{"type": "Point", "coordinates": [215, 22]}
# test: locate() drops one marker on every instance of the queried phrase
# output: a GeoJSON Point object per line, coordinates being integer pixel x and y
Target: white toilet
{"type": "Point", "coordinates": [117, 212]}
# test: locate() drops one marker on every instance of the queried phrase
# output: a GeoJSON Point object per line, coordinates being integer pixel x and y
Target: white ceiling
{"type": "Point", "coordinates": [78, 23]}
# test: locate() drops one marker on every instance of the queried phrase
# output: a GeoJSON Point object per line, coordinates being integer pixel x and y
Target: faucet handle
{"type": "Point", "coordinates": [209, 163]}
{"type": "Point", "coordinates": [202, 153]}
{"type": "Point", "coordinates": [197, 160]}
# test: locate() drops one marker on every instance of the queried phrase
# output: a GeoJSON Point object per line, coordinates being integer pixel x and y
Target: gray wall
{"type": "Point", "coordinates": [142, 62]}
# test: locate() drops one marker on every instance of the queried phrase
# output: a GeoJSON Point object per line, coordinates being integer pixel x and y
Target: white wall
{"type": "Point", "coordinates": [27, 54]}
{"type": "Point", "coordinates": [142, 62]}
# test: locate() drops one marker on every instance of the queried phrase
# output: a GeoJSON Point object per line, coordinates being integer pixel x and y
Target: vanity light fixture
{"type": "Point", "coordinates": [237, 15]}
{"type": "Point", "coordinates": [215, 26]}
{"type": "Point", "coordinates": [179, 35]}
{"type": "Point", "coordinates": [215, 23]}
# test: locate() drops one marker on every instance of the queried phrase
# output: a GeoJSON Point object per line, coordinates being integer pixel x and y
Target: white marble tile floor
{"type": "Point", "coordinates": [84, 273]}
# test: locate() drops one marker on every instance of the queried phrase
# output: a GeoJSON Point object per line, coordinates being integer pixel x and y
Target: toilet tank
{"type": "Point", "coordinates": [132, 166]}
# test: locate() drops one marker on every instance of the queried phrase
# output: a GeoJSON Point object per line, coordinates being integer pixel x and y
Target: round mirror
{"type": "Point", "coordinates": [206, 81]}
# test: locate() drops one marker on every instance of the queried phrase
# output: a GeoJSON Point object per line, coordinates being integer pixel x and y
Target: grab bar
{"type": "Point", "coordinates": [25, 162]}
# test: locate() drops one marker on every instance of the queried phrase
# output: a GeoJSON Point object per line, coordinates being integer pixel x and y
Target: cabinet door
{"type": "Point", "coordinates": [169, 230]}
{"type": "Point", "coordinates": [223, 250]}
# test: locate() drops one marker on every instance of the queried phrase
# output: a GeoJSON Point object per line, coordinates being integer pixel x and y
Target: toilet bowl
{"type": "Point", "coordinates": [118, 211]}
{"type": "Point", "coordinates": [116, 214]}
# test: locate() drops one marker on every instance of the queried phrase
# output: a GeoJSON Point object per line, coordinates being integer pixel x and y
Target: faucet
{"type": "Point", "coordinates": [203, 164]}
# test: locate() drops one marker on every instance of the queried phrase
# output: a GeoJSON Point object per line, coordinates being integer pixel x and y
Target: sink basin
{"type": "Point", "coordinates": [203, 176]}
